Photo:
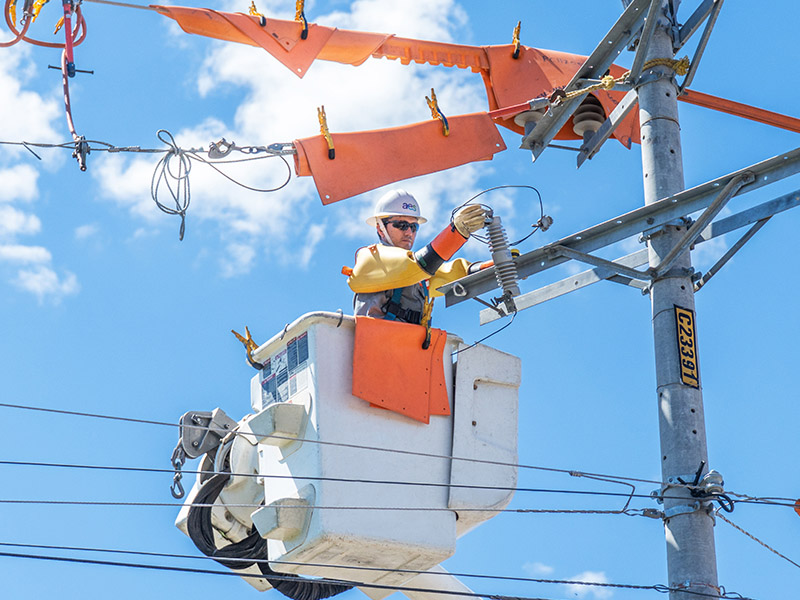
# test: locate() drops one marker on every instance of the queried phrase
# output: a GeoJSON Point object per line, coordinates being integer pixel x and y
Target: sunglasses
{"type": "Point", "coordinates": [403, 225]}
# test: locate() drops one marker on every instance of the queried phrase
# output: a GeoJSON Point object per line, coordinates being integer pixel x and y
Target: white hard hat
{"type": "Point", "coordinates": [396, 203]}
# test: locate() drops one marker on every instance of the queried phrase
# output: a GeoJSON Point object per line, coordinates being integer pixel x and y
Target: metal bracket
{"type": "Point", "coordinates": [559, 250]}
{"type": "Point", "coordinates": [203, 431]}
{"type": "Point", "coordinates": [728, 192]}
{"type": "Point", "coordinates": [615, 41]}
{"type": "Point", "coordinates": [757, 215]}
{"type": "Point", "coordinates": [701, 45]}
{"type": "Point", "coordinates": [731, 251]}
{"type": "Point", "coordinates": [683, 509]}
{"type": "Point", "coordinates": [644, 40]}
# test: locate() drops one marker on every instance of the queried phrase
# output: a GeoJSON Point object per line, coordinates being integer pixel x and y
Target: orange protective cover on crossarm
{"type": "Point", "coordinates": [391, 370]}
{"type": "Point", "coordinates": [366, 160]}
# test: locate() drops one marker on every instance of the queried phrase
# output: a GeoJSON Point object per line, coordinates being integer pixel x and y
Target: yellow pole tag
{"type": "Point", "coordinates": [687, 347]}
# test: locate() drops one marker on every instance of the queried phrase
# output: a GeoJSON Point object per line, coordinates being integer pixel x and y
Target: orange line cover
{"type": "Point", "coordinates": [391, 370]}
{"type": "Point", "coordinates": [366, 160]}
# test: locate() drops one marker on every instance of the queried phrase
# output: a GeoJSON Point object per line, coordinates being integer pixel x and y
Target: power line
{"type": "Point", "coordinates": [571, 472]}
{"type": "Point", "coordinates": [658, 588]}
{"type": "Point", "coordinates": [754, 538]}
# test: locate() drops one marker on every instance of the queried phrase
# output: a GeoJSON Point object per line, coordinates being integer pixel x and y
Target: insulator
{"type": "Point", "coordinates": [589, 116]}
{"type": "Point", "coordinates": [504, 267]}
{"type": "Point", "coordinates": [712, 483]}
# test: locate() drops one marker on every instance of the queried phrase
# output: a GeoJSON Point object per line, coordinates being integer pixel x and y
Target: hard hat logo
{"type": "Point", "coordinates": [396, 203]}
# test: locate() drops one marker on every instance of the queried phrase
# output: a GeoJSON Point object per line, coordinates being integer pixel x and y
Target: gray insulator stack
{"type": "Point", "coordinates": [504, 267]}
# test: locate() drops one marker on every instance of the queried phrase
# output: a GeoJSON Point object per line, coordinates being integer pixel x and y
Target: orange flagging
{"type": "Point", "coordinates": [391, 370]}
{"type": "Point", "coordinates": [369, 159]}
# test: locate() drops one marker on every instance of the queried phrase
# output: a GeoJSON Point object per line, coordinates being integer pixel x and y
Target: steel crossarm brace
{"type": "Point", "coordinates": [615, 41]}
{"type": "Point", "coordinates": [644, 39]}
{"type": "Point", "coordinates": [728, 192]}
{"type": "Point", "coordinates": [592, 146]}
{"type": "Point", "coordinates": [727, 256]}
{"type": "Point", "coordinates": [600, 262]}
{"type": "Point", "coordinates": [693, 23]}
{"type": "Point", "coordinates": [570, 284]}
{"type": "Point", "coordinates": [758, 214]}
{"type": "Point", "coordinates": [750, 216]}
{"type": "Point", "coordinates": [645, 218]}
{"type": "Point", "coordinates": [701, 46]}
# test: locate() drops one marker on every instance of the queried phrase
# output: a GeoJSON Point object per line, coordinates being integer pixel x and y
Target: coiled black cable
{"type": "Point", "coordinates": [252, 547]}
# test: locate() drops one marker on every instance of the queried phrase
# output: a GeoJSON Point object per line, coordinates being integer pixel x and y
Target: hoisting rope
{"type": "Point", "coordinates": [515, 41]}
{"type": "Point", "coordinates": [300, 17]}
{"type": "Point", "coordinates": [323, 129]}
{"type": "Point", "coordinates": [437, 113]}
{"type": "Point", "coordinates": [680, 66]}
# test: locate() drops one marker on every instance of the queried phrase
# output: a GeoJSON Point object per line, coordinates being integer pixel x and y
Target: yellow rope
{"type": "Point", "coordinates": [681, 67]}
{"type": "Point", "coordinates": [298, 10]}
{"type": "Point", "coordinates": [254, 11]}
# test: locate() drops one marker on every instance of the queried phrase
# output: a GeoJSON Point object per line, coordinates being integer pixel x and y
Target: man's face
{"type": "Point", "coordinates": [401, 239]}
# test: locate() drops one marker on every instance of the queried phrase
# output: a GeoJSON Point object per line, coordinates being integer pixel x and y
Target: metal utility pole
{"type": "Point", "coordinates": [691, 556]}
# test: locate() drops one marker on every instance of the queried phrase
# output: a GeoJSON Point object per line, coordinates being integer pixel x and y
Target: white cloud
{"type": "Point", "coordinates": [44, 283]}
{"type": "Point", "coordinates": [15, 253]}
{"type": "Point", "coordinates": [83, 232]}
{"type": "Point", "coordinates": [239, 260]}
{"type": "Point", "coordinates": [587, 591]}
{"type": "Point", "coordinates": [277, 106]}
{"type": "Point", "coordinates": [33, 113]}
{"type": "Point", "coordinates": [16, 222]}
{"type": "Point", "coordinates": [18, 183]}
{"type": "Point", "coordinates": [314, 237]}
{"type": "Point", "coordinates": [537, 569]}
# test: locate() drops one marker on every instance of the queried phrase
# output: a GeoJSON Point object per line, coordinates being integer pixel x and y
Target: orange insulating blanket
{"type": "Point", "coordinates": [391, 370]}
{"type": "Point", "coordinates": [369, 159]}
{"type": "Point", "coordinates": [508, 81]}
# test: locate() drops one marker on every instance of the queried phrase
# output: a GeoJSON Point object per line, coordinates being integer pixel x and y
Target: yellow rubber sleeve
{"type": "Point", "coordinates": [448, 272]}
{"type": "Point", "coordinates": [380, 268]}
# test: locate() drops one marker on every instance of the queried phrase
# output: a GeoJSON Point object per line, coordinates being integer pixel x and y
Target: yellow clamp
{"type": "Point", "coordinates": [59, 25]}
{"type": "Point", "coordinates": [249, 345]}
{"type": "Point", "coordinates": [12, 11]}
{"type": "Point", "coordinates": [515, 54]}
{"type": "Point", "coordinates": [436, 112]}
{"type": "Point", "coordinates": [37, 7]}
{"type": "Point", "coordinates": [300, 16]}
{"type": "Point", "coordinates": [427, 313]}
{"type": "Point", "coordinates": [323, 129]}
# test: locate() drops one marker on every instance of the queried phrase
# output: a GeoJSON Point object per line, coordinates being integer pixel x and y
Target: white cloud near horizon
{"type": "Point", "coordinates": [274, 105]}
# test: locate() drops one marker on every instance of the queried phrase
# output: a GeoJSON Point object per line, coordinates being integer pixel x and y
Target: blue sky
{"type": "Point", "coordinates": [103, 310]}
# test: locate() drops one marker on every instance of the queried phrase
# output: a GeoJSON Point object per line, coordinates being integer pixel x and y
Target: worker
{"type": "Point", "coordinates": [389, 280]}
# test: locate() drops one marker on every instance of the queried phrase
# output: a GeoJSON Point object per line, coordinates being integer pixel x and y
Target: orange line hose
{"type": "Point", "coordinates": [80, 27]}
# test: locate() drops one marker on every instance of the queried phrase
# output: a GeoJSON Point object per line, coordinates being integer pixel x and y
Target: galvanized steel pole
{"type": "Point", "coordinates": [691, 556]}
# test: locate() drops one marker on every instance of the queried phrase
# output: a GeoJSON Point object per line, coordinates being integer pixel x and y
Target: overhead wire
{"type": "Point", "coordinates": [754, 538]}
{"type": "Point", "coordinates": [571, 472]}
{"type": "Point", "coordinates": [172, 170]}
{"type": "Point", "coordinates": [657, 587]}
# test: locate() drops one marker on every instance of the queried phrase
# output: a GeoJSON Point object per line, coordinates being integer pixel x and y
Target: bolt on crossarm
{"type": "Point", "coordinates": [691, 555]}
